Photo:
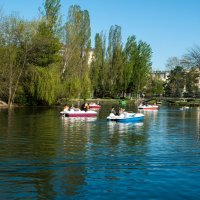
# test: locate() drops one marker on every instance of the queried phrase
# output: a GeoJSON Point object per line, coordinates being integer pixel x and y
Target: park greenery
{"type": "Point", "coordinates": [46, 60]}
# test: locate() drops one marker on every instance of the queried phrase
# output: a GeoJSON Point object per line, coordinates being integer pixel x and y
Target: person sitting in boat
{"type": "Point", "coordinates": [113, 110]}
{"type": "Point", "coordinates": [72, 108]}
{"type": "Point", "coordinates": [121, 111]}
{"type": "Point", "coordinates": [66, 108]}
{"type": "Point", "coordinates": [85, 107]}
{"type": "Point", "coordinates": [91, 103]}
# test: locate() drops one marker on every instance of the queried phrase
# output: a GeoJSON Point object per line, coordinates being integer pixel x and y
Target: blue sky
{"type": "Point", "coordinates": [171, 27]}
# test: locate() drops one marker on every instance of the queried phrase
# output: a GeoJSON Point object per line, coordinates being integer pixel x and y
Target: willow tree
{"type": "Point", "coordinates": [75, 71]}
{"type": "Point", "coordinates": [115, 59]}
{"type": "Point", "coordinates": [44, 58]}
{"type": "Point", "coordinates": [43, 84]}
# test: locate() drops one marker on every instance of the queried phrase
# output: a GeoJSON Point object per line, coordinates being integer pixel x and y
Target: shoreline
{"type": "Point", "coordinates": [171, 101]}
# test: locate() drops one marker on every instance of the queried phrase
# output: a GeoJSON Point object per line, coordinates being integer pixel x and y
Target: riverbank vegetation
{"type": "Point", "coordinates": [46, 60]}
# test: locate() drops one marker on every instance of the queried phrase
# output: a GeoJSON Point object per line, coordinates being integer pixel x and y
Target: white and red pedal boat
{"type": "Point", "coordinates": [79, 113]}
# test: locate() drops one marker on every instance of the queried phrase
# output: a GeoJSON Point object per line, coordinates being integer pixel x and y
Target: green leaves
{"type": "Point", "coordinates": [75, 67]}
{"type": "Point", "coordinates": [44, 83]}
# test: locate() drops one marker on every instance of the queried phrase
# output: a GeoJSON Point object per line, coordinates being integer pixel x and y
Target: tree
{"type": "Point", "coordinates": [176, 83]}
{"type": "Point", "coordinates": [98, 73]}
{"type": "Point", "coordinates": [173, 62]}
{"type": "Point", "coordinates": [75, 70]}
{"type": "Point", "coordinates": [52, 16]}
{"type": "Point", "coordinates": [45, 47]}
{"type": "Point", "coordinates": [44, 58]}
{"type": "Point", "coordinates": [193, 57]}
{"type": "Point", "coordinates": [130, 56]}
{"type": "Point", "coordinates": [155, 87]}
{"type": "Point", "coordinates": [192, 79]}
{"type": "Point", "coordinates": [15, 37]}
{"type": "Point", "coordinates": [115, 59]}
{"type": "Point", "coordinates": [141, 68]}
{"type": "Point", "coordinates": [43, 84]}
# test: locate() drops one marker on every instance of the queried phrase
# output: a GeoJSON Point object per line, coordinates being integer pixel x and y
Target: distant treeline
{"type": "Point", "coordinates": [43, 61]}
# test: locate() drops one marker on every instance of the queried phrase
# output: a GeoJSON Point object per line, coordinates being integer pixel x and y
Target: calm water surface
{"type": "Point", "coordinates": [45, 156]}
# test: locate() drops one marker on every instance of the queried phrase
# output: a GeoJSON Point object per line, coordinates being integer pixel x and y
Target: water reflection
{"type": "Point", "coordinates": [74, 148]}
{"type": "Point", "coordinates": [150, 113]}
{"type": "Point", "coordinates": [45, 156]}
{"type": "Point", "coordinates": [123, 127]}
{"type": "Point", "coordinates": [78, 119]}
{"type": "Point", "coordinates": [198, 122]}
{"type": "Point", "coordinates": [76, 124]}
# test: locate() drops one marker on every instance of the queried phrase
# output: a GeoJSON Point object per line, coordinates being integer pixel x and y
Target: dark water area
{"type": "Point", "coordinates": [46, 156]}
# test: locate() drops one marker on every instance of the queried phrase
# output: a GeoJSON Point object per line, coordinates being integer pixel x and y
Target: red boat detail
{"type": "Point", "coordinates": [94, 105]}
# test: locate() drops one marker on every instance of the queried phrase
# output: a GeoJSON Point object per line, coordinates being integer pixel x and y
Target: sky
{"type": "Point", "coordinates": [170, 27]}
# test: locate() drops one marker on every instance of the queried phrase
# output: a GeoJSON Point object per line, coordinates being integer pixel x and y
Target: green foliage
{"type": "Point", "coordinates": [44, 84]}
{"type": "Point", "coordinates": [70, 88]}
{"type": "Point", "coordinates": [85, 84]}
{"type": "Point", "coordinates": [139, 65]}
{"type": "Point", "coordinates": [45, 47]}
{"type": "Point", "coordinates": [126, 70]}
{"type": "Point", "coordinates": [36, 68]}
{"type": "Point", "coordinates": [175, 85]}
{"type": "Point", "coordinates": [142, 68]}
{"type": "Point", "coordinates": [192, 79]}
{"type": "Point", "coordinates": [155, 87]}
{"type": "Point", "coordinates": [52, 16]}
{"type": "Point", "coordinates": [115, 59]}
{"type": "Point", "coordinates": [14, 48]}
{"type": "Point", "coordinates": [98, 73]}
{"type": "Point", "coordinates": [75, 67]}
{"type": "Point", "coordinates": [131, 55]}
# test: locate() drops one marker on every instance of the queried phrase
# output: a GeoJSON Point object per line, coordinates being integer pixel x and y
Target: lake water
{"type": "Point", "coordinates": [45, 156]}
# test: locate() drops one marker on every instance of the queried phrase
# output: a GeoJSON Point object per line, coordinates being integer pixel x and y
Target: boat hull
{"type": "Point", "coordinates": [79, 114]}
{"type": "Point", "coordinates": [127, 117]}
{"type": "Point", "coordinates": [94, 107]}
{"type": "Point", "coordinates": [134, 119]}
{"type": "Point", "coordinates": [148, 107]}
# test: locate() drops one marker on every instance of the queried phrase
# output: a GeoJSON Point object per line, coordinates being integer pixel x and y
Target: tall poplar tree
{"type": "Point", "coordinates": [142, 68]}
{"type": "Point", "coordinates": [130, 54]}
{"type": "Point", "coordinates": [75, 71]}
{"type": "Point", "coordinates": [115, 59]}
{"type": "Point", "coordinates": [52, 16]}
{"type": "Point", "coordinates": [98, 73]}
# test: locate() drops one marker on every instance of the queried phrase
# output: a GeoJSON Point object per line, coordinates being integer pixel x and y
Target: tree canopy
{"type": "Point", "coordinates": [45, 60]}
